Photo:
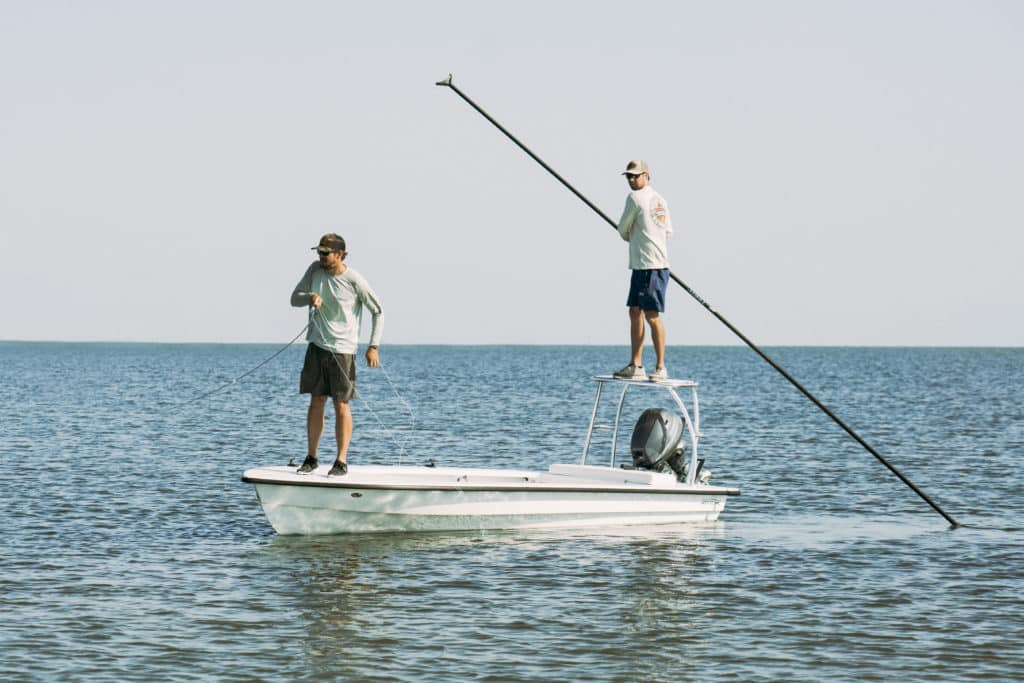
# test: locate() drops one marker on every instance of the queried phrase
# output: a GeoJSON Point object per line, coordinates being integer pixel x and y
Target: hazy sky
{"type": "Point", "coordinates": [839, 173]}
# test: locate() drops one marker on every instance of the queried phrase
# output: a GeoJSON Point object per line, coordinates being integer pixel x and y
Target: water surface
{"type": "Point", "coordinates": [133, 552]}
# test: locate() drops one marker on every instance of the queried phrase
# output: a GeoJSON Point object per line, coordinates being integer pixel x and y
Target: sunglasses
{"type": "Point", "coordinates": [325, 253]}
{"type": "Point", "coordinates": [633, 176]}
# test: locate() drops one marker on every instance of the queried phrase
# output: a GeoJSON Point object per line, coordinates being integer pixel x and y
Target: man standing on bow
{"type": "Point", "coordinates": [646, 225]}
{"type": "Point", "coordinates": [337, 295]}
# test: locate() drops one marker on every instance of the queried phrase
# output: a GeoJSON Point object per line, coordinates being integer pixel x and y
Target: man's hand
{"type": "Point", "coordinates": [372, 357]}
{"type": "Point", "coordinates": [315, 301]}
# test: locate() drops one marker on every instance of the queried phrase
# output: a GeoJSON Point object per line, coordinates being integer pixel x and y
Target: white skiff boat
{"type": "Point", "coordinates": [661, 486]}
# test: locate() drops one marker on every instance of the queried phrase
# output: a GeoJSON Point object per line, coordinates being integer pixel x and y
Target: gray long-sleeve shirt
{"type": "Point", "coordinates": [336, 325]}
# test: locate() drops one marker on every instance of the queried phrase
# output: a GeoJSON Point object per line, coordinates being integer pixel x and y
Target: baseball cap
{"type": "Point", "coordinates": [636, 167]}
{"type": "Point", "coordinates": [331, 242]}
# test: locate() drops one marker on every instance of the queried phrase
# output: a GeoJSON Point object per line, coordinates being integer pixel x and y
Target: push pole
{"type": "Point", "coordinates": [849, 430]}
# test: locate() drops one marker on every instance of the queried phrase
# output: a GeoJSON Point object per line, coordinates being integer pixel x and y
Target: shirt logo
{"type": "Point", "coordinates": [659, 214]}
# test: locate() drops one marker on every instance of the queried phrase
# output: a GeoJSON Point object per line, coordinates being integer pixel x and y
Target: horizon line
{"type": "Point", "coordinates": [522, 344]}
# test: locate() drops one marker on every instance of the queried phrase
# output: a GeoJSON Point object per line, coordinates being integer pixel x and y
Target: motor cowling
{"type": "Point", "coordinates": [658, 440]}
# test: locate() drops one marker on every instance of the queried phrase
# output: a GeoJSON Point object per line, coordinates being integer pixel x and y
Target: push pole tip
{"type": "Point", "coordinates": [447, 81]}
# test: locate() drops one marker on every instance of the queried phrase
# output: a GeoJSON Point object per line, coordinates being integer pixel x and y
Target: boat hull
{"type": "Point", "coordinates": [411, 499]}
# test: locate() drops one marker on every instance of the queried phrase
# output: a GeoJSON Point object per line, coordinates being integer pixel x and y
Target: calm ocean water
{"type": "Point", "coordinates": [133, 552]}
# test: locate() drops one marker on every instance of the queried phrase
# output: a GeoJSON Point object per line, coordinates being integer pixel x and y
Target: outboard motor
{"type": "Point", "coordinates": [657, 442]}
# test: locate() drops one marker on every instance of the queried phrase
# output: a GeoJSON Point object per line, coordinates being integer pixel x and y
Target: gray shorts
{"type": "Point", "coordinates": [328, 374]}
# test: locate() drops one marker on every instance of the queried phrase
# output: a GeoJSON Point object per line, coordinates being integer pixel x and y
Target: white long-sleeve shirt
{"type": "Point", "coordinates": [646, 225]}
{"type": "Point", "coordinates": [336, 325]}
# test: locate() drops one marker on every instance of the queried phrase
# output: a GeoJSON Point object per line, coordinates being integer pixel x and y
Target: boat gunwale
{"type": "Point", "coordinates": [546, 487]}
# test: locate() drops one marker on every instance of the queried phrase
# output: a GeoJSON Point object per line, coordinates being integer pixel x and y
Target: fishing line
{"type": "Point", "coordinates": [408, 407]}
{"type": "Point", "coordinates": [314, 319]}
{"type": "Point", "coordinates": [249, 372]}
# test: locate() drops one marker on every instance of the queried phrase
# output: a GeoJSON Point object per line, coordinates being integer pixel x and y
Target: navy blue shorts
{"type": "Point", "coordinates": [647, 289]}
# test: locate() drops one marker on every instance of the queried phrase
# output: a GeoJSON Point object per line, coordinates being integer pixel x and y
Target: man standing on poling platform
{"type": "Point", "coordinates": [338, 295]}
{"type": "Point", "coordinates": [646, 225]}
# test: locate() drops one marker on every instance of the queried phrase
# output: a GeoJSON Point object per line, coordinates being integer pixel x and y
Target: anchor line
{"type": "Point", "coordinates": [314, 319]}
{"type": "Point", "coordinates": [953, 523]}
